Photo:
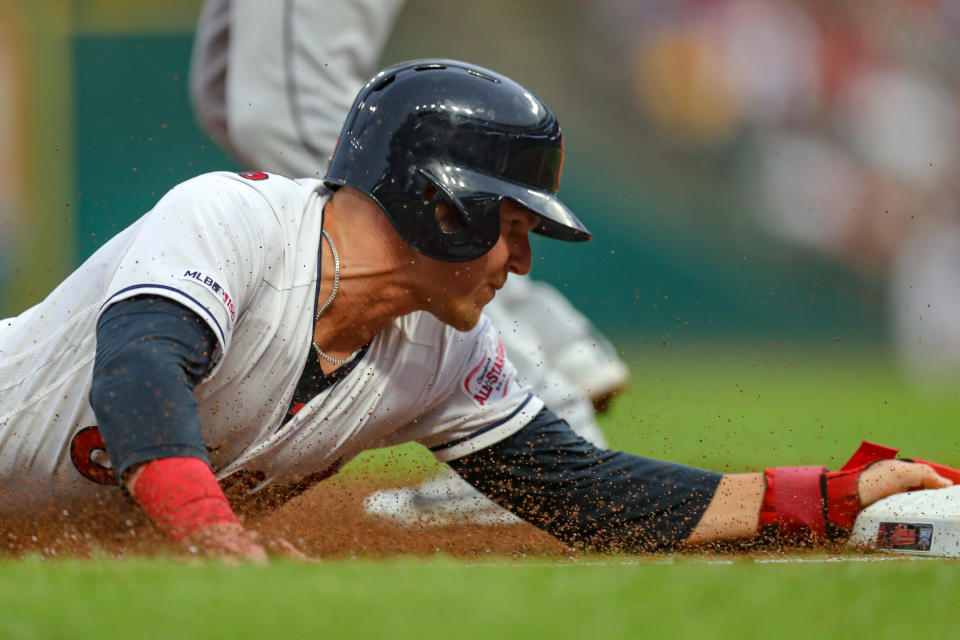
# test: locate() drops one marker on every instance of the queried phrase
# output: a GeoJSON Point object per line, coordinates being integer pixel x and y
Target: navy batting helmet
{"type": "Point", "coordinates": [426, 131]}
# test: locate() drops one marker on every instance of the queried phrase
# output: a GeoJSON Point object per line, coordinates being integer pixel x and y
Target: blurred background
{"type": "Point", "coordinates": [765, 174]}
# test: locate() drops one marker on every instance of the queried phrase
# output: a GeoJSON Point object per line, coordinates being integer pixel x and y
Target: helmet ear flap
{"type": "Point", "coordinates": [484, 214]}
{"type": "Point", "coordinates": [446, 215]}
{"type": "Point", "coordinates": [466, 226]}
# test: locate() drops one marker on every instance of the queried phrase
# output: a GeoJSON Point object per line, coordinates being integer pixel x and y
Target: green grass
{"type": "Point", "coordinates": [714, 409]}
{"type": "Point", "coordinates": [443, 598]}
{"type": "Point", "coordinates": [737, 411]}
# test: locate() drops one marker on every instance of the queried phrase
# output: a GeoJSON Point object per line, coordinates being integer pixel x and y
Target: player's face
{"type": "Point", "coordinates": [469, 286]}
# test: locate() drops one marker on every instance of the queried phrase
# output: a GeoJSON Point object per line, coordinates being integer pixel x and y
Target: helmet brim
{"type": "Point", "coordinates": [556, 219]}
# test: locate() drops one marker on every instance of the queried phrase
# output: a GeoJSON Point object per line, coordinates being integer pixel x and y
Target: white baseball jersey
{"type": "Point", "coordinates": [241, 251]}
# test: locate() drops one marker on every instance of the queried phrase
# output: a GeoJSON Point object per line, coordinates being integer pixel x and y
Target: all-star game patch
{"type": "Point", "coordinates": [905, 536]}
{"type": "Point", "coordinates": [490, 377]}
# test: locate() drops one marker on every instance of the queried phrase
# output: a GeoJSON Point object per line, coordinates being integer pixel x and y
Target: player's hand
{"type": "Point", "coordinates": [231, 541]}
{"type": "Point", "coordinates": [227, 540]}
{"type": "Point", "coordinates": [283, 549]}
{"type": "Point", "coordinates": [887, 477]}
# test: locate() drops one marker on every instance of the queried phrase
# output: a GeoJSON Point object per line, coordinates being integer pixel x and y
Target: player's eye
{"type": "Point", "coordinates": [522, 222]}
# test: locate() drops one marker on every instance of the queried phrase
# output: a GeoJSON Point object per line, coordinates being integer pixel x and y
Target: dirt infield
{"type": "Point", "coordinates": [329, 521]}
{"type": "Point", "coordinates": [326, 521]}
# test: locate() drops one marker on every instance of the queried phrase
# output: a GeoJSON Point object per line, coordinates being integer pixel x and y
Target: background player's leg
{"type": "Point", "coordinates": [555, 339]}
{"type": "Point", "coordinates": [208, 69]}
{"type": "Point", "coordinates": [924, 304]}
{"type": "Point", "coordinates": [277, 78]}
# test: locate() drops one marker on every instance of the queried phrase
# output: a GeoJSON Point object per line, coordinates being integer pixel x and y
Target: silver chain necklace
{"type": "Point", "coordinates": [333, 294]}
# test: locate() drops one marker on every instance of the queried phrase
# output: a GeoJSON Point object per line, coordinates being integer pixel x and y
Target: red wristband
{"type": "Point", "coordinates": [181, 495]}
{"type": "Point", "coordinates": [843, 497]}
{"type": "Point", "coordinates": [812, 502]}
{"type": "Point", "coordinates": [793, 502]}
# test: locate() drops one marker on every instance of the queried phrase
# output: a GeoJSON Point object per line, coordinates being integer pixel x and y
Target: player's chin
{"type": "Point", "coordinates": [461, 317]}
{"type": "Point", "coordinates": [466, 322]}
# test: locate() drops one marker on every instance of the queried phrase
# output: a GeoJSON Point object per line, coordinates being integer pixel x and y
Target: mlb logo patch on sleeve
{"type": "Point", "coordinates": [904, 536]}
{"type": "Point", "coordinates": [216, 288]}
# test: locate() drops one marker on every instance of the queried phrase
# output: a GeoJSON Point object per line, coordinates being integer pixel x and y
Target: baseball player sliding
{"type": "Point", "coordinates": [259, 332]}
{"type": "Point", "coordinates": [268, 87]}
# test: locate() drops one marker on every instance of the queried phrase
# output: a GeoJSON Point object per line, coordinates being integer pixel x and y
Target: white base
{"type": "Point", "coordinates": [923, 523]}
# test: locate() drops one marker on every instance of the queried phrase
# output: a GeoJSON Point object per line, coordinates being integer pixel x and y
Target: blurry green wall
{"type": "Point", "coordinates": [671, 262]}
{"type": "Point", "coordinates": [135, 134]}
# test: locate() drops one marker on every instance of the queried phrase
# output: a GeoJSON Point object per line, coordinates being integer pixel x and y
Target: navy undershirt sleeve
{"type": "Point", "coordinates": [151, 353]}
{"type": "Point", "coordinates": [551, 477]}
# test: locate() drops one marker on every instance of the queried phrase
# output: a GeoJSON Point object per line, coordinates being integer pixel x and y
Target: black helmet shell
{"type": "Point", "coordinates": [428, 130]}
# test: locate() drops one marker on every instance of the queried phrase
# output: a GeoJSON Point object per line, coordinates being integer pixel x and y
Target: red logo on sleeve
{"type": "Point", "coordinates": [254, 175]}
{"type": "Point", "coordinates": [89, 456]}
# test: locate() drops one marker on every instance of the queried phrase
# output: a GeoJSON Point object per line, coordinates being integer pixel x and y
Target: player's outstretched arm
{"type": "Point", "coordinates": [182, 497]}
{"type": "Point", "coordinates": [607, 499]}
{"type": "Point", "coordinates": [582, 494]}
{"type": "Point", "coordinates": [151, 353]}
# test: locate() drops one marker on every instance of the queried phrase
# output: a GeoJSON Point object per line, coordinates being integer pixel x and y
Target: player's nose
{"type": "Point", "coordinates": [521, 256]}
